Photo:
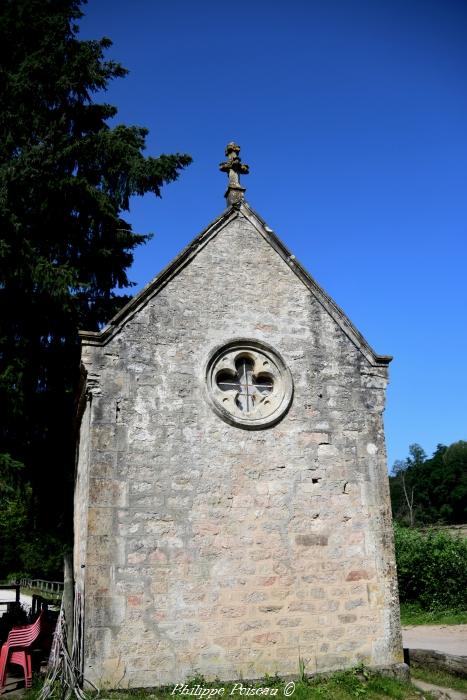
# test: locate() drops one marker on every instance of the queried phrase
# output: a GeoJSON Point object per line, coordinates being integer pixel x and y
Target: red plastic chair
{"type": "Point", "coordinates": [17, 650]}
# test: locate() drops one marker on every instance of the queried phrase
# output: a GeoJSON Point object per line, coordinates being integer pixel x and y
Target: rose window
{"type": "Point", "coordinates": [249, 384]}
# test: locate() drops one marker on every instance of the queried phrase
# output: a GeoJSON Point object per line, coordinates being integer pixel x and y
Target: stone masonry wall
{"type": "Point", "coordinates": [222, 551]}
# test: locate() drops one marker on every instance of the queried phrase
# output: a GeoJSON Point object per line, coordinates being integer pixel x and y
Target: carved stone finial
{"type": "Point", "coordinates": [234, 168]}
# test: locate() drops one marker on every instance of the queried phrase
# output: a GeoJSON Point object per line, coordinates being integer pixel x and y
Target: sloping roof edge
{"type": "Point", "coordinates": [318, 292]}
{"type": "Point", "coordinates": [197, 244]}
{"type": "Point", "coordinates": [159, 281]}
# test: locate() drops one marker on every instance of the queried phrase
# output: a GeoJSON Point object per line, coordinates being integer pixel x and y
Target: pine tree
{"type": "Point", "coordinates": [66, 179]}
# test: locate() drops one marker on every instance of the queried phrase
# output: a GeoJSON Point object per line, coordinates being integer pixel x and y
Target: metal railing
{"type": "Point", "coordinates": [41, 585]}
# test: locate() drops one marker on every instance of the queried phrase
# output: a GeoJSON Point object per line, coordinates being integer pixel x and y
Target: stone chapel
{"type": "Point", "coordinates": [232, 513]}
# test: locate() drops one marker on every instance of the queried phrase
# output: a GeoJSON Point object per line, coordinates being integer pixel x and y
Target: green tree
{"type": "Point", "coordinates": [451, 489]}
{"type": "Point", "coordinates": [405, 503]}
{"type": "Point", "coordinates": [431, 490]}
{"type": "Point", "coordinates": [66, 179]}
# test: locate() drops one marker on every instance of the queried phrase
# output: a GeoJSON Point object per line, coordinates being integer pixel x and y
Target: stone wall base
{"type": "Point", "coordinates": [438, 660]}
{"type": "Point", "coordinates": [400, 671]}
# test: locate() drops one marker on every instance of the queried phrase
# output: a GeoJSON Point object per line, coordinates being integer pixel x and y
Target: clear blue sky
{"type": "Point", "coordinates": [352, 115]}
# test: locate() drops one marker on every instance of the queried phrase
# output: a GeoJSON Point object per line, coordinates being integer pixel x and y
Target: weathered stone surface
{"type": "Point", "coordinates": [442, 661]}
{"type": "Point", "coordinates": [204, 547]}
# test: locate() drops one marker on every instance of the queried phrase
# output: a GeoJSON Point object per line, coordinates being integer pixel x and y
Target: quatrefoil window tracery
{"type": "Point", "coordinates": [250, 389]}
{"type": "Point", "coordinates": [248, 384]}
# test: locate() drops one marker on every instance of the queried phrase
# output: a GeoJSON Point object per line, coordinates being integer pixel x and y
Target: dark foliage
{"type": "Point", "coordinates": [66, 177]}
{"type": "Point", "coordinates": [437, 484]}
{"type": "Point", "coordinates": [431, 569]}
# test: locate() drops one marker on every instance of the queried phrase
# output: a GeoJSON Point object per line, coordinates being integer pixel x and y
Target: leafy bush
{"type": "Point", "coordinates": [431, 568]}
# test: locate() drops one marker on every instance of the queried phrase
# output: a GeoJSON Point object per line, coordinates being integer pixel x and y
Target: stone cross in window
{"type": "Point", "coordinates": [234, 168]}
{"type": "Point", "coordinates": [250, 389]}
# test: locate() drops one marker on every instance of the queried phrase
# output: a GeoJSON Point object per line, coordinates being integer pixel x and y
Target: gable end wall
{"type": "Point", "coordinates": [216, 550]}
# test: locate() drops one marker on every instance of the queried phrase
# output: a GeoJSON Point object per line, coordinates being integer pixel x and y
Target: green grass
{"type": "Point", "coordinates": [413, 614]}
{"type": "Point", "coordinates": [346, 685]}
{"type": "Point", "coordinates": [442, 678]}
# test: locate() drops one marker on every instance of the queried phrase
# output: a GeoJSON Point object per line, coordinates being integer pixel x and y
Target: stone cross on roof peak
{"type": "Point", "coordinates": [234, 168]}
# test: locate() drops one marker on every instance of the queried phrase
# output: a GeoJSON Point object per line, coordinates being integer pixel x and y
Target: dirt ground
{"type": "Point", "coordinates": [450, 639]}
{"type": "Point", "coordinates": [438, 692]}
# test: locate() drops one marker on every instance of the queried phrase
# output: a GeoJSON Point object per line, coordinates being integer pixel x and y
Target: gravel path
{"type": "Point", "coordinates": [438, 691]}
{"type": "Point", "coordinates": [450, 639]}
